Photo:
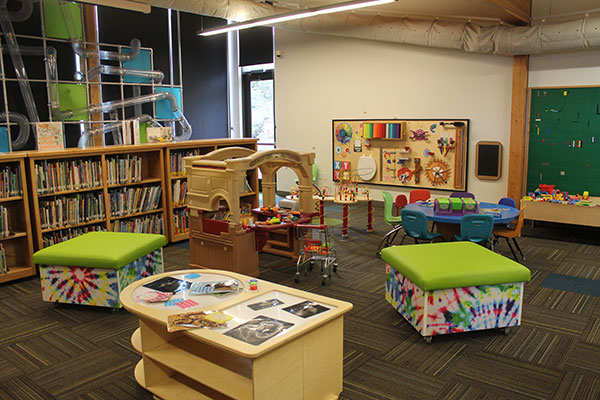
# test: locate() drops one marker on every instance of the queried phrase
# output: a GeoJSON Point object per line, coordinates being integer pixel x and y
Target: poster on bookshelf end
{"type": "Point", "coordinates": [159, 134]}
{"type": "Point", "coordinates": [49, 136]}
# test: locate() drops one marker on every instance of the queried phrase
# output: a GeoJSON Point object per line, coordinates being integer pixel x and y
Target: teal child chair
{"type": "Point", "coordinates": [476, 228]}
{"type": "Point", "coordinates": [415, 226]}
{"type": "Point", "coordinates": [394, 221]}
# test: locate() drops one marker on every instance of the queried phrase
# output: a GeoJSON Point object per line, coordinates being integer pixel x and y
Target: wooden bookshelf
{"type": "Point", "coordinates": [178, 215]}
{"type": "Point", "coordinates": [45, 168]}
{"type": "Point", "coordinates": [17, 243]}
{"type": "Point", "coordinates": [48, 179]}
{"type": "Point", "coordinates": [149, 181]}
{"type": "Point", "coordinates": [97, 166]}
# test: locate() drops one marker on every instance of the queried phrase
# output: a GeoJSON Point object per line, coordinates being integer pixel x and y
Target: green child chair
{"type": "Point", "coordinates": [394, 221]}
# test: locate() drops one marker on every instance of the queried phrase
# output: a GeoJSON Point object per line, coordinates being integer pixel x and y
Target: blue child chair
{"type": "Point", "coordinates": [507, 201]}
{"type": "Point", "coordinates": [463, 194]}
{"type": "Point", "coordinates": [414, 223]}
{"type": "Point", "coordinates": [476, 228]}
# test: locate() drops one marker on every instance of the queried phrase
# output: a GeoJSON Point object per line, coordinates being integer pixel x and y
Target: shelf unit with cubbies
{"type": "Point", "coordinates": [118, 188]}
{"type": "Point", "coordinates": [135, 188]}
{"type": "Point", "coordinates": [176, 187]}
{"type": "Point", "coordinates": [68, 194]}
{"type": "Point", "coordinates": [16, 245]}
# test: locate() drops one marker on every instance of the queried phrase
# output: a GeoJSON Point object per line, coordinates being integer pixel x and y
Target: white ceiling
{"type": "Point", "coordinates": [481, 11]}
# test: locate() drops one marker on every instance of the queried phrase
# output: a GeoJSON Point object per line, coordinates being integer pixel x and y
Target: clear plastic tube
{"type": "Point", "coordinates": [23, 123]}
{"type": "Point", "coordinates": [79, 48]}
{"type": "Point", "coordinates": [24, 13]}
{"type": "Point", "coordinates": [13, 48]}
{"type": "Point", "coordinates": [52, 75]}
{"type": "Point", "coordinates": [156, 76]}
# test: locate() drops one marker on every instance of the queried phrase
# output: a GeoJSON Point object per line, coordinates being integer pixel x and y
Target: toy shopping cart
{"type": "Point", "coordinates": [315, 245]}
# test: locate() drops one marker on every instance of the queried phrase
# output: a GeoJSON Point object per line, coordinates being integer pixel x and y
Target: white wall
{"type": "Point", "coordinates": [565, 69]}
{"type": "Point", "coordinates": [321, 78]}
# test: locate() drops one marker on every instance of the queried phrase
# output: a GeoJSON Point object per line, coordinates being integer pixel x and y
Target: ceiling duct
{"type": "Point", "coordinates": [545, 37]}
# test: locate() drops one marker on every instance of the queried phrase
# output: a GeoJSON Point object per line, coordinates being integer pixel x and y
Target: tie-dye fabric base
{"type": "Point", "coordinates": [455, 310]}
{"type": "Point", "coordinates": [95, 286]}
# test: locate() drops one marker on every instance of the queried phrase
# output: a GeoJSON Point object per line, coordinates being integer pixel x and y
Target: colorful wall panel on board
{"type": "Point", "coordinates": [564, 139]}
{"type": "Point", "coordinates": [54, 22]}
{"type": "Point", "coordinates": [163, 107]}
{"type": "Point", "coordinates": [420, 153]}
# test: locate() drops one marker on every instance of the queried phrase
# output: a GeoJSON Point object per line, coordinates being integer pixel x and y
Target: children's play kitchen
{"type": "Point", "coordinates": [212, 333]}
{"type": "Point", "coordinates": [216, 184]}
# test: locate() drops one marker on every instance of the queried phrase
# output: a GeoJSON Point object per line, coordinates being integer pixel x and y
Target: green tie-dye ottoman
{"type": "Point", "coordinates": [93, 268]}
{"type": "Point", "coordinates": [453, 287]}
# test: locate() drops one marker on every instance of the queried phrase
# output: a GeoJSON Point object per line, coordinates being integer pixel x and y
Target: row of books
{"type": "Point", "coordinates": [124, 201]}
{"type": "Point", "coordinates": [10, 181]}
{"type": "Point", "coordinates": [131, 133]}
{"type": "Point", "coordinates": [48, 239]}
{"type": "Point", "coordinates": [4, 227]}
{"type": "Point", "coordinates": [152, 223]}
{"type": "Point", "coordinates": [72, 210]}
{"type": "Point", "coordinates": [3, 265]}
{"type": "Point", "coordinates": [127, 169]}
{"type": "Point", "coordinates": [181, 221]}
{"type": "Point", "coordinates": [177, 163]}
{"type": "Point", "coordinates": [57, 176]}
{"type": "Point", "coordinates": [179, 192]}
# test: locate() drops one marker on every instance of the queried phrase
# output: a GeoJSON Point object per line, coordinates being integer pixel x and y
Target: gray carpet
{"type": "Point", "coordinates": [79, 352]}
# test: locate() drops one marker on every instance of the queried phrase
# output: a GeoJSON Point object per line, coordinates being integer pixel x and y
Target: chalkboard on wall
{"type": "Point", "coordinates": [488, 161]}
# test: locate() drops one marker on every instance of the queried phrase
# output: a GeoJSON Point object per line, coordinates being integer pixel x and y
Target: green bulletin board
{"type": "Point", "coordinates": [564, 139]}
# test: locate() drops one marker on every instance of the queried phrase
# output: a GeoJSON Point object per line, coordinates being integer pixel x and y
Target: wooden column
{"type": "Point", "coordinates": [95, 95]}
{"type": "Point", "coordinates": [518, 128]}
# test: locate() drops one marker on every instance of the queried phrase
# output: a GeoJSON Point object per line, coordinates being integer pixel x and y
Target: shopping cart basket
{"type": "Point", "coordinates": [315, 246]}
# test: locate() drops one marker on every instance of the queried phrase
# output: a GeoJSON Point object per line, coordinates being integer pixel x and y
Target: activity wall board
{"type": "Point", "coordinates": [564, 139]}
{"type": "Point", "coordinates": [415, 153]}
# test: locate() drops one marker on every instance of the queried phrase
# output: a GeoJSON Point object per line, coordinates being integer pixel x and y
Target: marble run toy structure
{"type": "Point", "coordinates": [455, 206]}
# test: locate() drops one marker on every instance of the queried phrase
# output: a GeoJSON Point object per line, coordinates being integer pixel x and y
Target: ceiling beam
{"type": "Point", "coordinates": [520, 9]}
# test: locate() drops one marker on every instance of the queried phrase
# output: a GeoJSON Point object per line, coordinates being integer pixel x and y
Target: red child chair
{"type": "Point", "coordinates": [399, 203]}
{"type": "Point", "coordinates": [419, 194]}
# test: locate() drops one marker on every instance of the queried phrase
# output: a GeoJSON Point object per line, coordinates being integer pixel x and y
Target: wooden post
{"type": "Point", "coordinates": [95, 95]}
{"type": "Point", "coordinates": [518, 128]}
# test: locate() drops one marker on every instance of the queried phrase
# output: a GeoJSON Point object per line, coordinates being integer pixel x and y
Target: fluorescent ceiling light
{"type": "Point", "coordinates": [309, 12]}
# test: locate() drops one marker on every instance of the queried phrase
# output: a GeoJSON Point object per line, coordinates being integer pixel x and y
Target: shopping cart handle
{"type": "Point", "coordinates": [310, 226]}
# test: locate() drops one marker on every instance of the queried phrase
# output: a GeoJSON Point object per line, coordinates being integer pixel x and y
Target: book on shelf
{"type": "Point", "coordinates": [3, 265]}
{"type": "Point", "coordinates": [4, 227]}
{"type": "Point", "coordinates": [4, 140]}
{"type": "Point", "coordinates": [49, 136]}
{"type": "Point", "coordinates": [159, 134]}
{"type": "Point", "coordinates": [126, 132]}
{"type": "Point", "coordinates": [176, 192]}
{"type": "Point", "coordinates": [135, 131]}
{"type": "Point", "coordinates": [10, 181]}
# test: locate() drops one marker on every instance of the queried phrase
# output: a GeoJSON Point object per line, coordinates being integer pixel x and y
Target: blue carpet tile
{"type": "Point", "coordinates": [590, 287]}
